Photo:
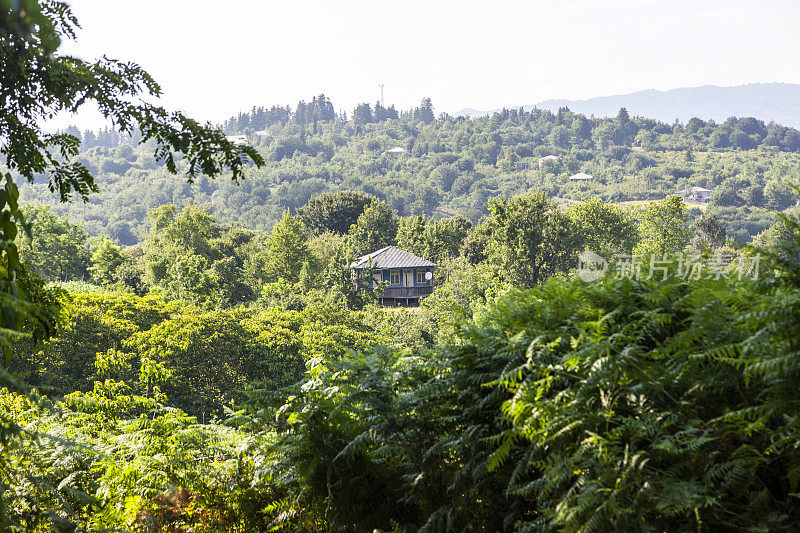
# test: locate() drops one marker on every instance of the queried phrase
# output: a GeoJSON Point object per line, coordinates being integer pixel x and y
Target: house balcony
{"type": "Point", "coordinates": [406, 292]}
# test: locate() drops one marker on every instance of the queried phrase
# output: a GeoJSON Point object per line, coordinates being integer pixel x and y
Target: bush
{"type": "Point", "coordinates": [614, 406]}
{"type": "Point", "coordinates": [779, 196]}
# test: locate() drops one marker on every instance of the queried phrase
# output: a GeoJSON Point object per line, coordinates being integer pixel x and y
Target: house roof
{"type": "Point", "coordinates": [580, 176]}
{"type": "Point", "coordinates": [548, 158]}
{"type": "Point", "coordinates": [396, 150]}
{"type": "Point", "coordinates": [392, 257]}
{"type": "Point", "coordinates": [692, 190]}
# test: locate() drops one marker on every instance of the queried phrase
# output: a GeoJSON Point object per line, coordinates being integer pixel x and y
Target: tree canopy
{"type": "Point", "coordinates": [334, 212]}
{"type": "Point", "coordinates": [180, 369]}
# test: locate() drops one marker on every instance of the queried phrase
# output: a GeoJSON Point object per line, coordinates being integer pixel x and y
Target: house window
{"type": "Point", "coordinates": [421, 277]}
{"type": "Point", "coordinates": [394, 277]}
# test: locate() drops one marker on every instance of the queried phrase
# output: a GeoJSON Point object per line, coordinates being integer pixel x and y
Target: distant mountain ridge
{"type": "Point", "coordinates": [779, 102]}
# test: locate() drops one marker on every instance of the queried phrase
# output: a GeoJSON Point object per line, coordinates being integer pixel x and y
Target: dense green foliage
{"type": "Point", "coordinates": [36, 83]}
{"type": "Point", "coordinates": [54, 248]}
{"type": "Point", "coordinates": [662, 227]}
{"type": "Point", "coordinates": [202, 360]}
{"type": "Point", "coordinates": [616, 405]}
{"type": "Point", "coordinates": [224, 370]}
{"type": "Point", "coordinates": [620, 406]}
{"type": "Point", "coordinates": [333, 212]}
{"type": "Point", "coordinates": [451, 165]}
{"type": "Point", "coordinates": [531, 239]}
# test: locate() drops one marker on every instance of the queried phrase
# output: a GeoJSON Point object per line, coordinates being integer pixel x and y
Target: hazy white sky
{"type": "Point", "coordinates": [215, 58]}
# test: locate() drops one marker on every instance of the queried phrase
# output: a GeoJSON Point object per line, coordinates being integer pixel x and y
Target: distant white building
{"type": "Point", "coordinates": [581, 176]}
{"type": "Point", "coordinates": [697, 194]}
{"type": "Point", "coordinates": [237, 140]}
{"type": "Point", "coordinates": [547, 158]}
{"type": "Point", "coordinates": [396, 150]}
{"type": "Point", "coordinates": [262, 133]}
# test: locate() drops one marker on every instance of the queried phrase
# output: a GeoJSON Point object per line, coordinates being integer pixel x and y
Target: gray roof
{"type": "Point", "coordinates": [391, 257]}
{"type": "Point", "coordinates": [694, 190]}
{"type": "Point", "coordinates": [580, 176]}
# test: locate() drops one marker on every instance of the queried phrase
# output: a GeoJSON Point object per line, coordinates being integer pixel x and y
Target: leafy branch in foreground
{"type": "Point", "coordinates": [36, 83]}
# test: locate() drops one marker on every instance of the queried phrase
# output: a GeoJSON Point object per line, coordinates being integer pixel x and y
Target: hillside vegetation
{"type": "Point", "coordinates": [450, 165]}
{"type": "Point", "coordinates": [188, 355]}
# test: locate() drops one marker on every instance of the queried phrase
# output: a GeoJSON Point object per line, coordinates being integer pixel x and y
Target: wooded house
{"type": "Point", "coordinates": [545, 159]}
{"type": "Point", "coordinates": [409, 277]}
{"type": "Point", "coordinates": [696, 194]}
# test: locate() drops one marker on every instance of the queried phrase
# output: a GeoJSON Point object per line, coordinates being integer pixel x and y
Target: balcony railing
{"type": "Point", "coordinates": [406, 292]}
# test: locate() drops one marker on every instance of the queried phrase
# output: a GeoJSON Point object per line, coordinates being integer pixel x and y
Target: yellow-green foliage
{"type": "Point", "coordinates": [90, 322]}
{"type": "Point", "coordinates": [214, 357]}
{"type": "Point", "coordinates": [331, 333]}
{"type": "Point", "coordinates": [159, 470]}
{"type": "Point", "coordinates": [200, 359]}
{"type": "Point", "coordinates": [119, 452]}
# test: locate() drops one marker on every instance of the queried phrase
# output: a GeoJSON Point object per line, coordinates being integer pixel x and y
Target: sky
{"type": "Point", "coordinates": [216, 58]}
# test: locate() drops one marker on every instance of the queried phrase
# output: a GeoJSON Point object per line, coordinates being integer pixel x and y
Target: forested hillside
{"type": "Point", "coordinates": [449, 165]}
{"type": "Point", "coordinates": [185, 354]}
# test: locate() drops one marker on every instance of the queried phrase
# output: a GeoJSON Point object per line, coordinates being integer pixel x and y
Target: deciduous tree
{"type": "Point", "coordinates": [375, 228]}
{"type": "Point", "coordinates": [663, 227]}
{"type": "Point", "coordinates": [333, 211]}
{"type": "Point", "coordinates": [55, 248]}
{"type": "Point", "coordinates": [107, 258]}
{"type": "Point", "coordinates": [530, 239]}
{"type": "Point", "coordinates": [606, 229]}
